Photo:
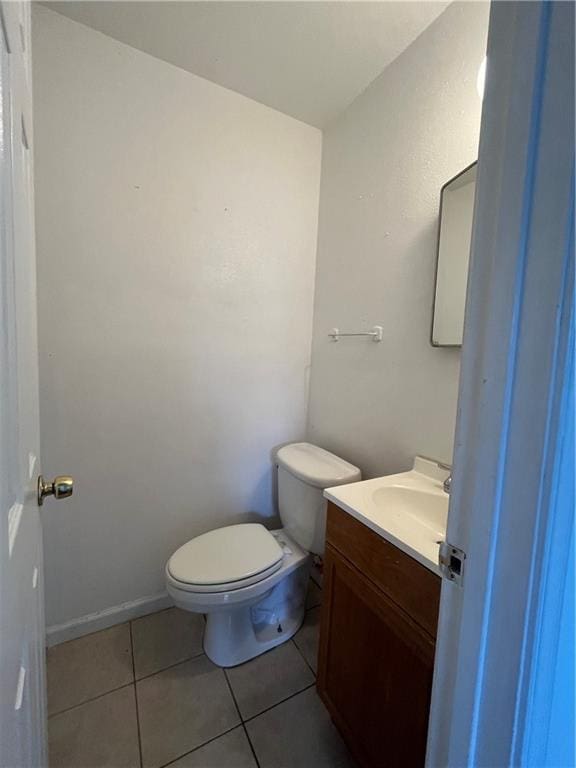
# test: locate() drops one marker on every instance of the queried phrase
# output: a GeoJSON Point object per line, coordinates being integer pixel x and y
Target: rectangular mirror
{"type": "Point", "coordinates": [455, 231]}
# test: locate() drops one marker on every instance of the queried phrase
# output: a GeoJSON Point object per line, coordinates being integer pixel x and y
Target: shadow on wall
{"type": "Point", "coordinates": [264, 497]}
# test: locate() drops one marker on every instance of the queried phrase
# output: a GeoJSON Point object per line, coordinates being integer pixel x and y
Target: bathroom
{"type": "Point", "coordinates": [239, 213]}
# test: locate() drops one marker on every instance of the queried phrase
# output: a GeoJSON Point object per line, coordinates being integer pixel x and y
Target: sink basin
{"type": "Point", "coordinates": [409, 509]}
{"type": "Point", "coordinates": [426, 507]}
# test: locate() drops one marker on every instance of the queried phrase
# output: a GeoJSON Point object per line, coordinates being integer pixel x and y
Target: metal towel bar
{"type": "Point", "coordinates": [375, 334]}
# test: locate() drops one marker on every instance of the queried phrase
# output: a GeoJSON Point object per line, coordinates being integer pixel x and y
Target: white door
{"type": "Point", "coordinates": [22, 660]}
{"type": "Point", "coordinates": [511, 509]}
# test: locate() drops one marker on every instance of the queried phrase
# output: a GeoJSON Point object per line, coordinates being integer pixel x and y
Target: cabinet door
{"type": "Point", "coordinates": [375, 672]}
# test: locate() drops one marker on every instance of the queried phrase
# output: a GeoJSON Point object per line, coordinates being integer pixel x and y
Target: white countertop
{"type": "Point", "coordinates": [409, 509]}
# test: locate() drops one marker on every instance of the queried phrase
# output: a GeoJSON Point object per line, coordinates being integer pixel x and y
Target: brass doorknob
{"type": "Point", "coordinates": [61, 487]}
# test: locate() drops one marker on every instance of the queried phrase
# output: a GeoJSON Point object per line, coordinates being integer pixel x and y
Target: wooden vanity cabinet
{"type": "Point", "coordinates": [377, 641]}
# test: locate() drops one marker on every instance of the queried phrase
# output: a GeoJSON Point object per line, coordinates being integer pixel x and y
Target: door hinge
{"type": "Point", "coordinates": [451, 560]}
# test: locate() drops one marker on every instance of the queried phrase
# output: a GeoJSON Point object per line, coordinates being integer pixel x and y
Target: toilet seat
{"type": "Point", "coordinates": [225, 559]}
{"type": "Point", "coordinates": [190, 598]}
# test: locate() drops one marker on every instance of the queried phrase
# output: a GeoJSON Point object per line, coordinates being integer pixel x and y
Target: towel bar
{"type": "Point", "coordinates": [375, 334]}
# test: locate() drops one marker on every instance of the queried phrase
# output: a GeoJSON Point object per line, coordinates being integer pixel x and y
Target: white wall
{"type": "Point", "coordinates": [384, 162]}
{"type": "Point", "coordinates": [176, 236]}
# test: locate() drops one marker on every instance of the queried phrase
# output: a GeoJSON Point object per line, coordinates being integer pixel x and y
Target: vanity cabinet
{"type": "Point", "coordinates": [377, 642]}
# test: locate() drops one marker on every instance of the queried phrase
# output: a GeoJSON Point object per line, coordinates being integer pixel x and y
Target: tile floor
{"type": "Point", "coordinates": [143, 695]}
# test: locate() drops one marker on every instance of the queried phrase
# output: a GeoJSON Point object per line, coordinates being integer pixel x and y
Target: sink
{"type": "Point", "coordinates": [426, 507]}
{"type": "Point", "coordinates": [409, 509]}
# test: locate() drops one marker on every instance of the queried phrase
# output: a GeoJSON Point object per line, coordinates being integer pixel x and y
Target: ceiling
{"type": "Point", "coordinates": [307, 59]}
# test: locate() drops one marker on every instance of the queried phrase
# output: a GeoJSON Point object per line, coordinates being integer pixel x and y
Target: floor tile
{"type": "Point", "coordinates": [99, 734]}
{"type": "Point", "coordinates": [166, 638]}
{"type": "Point", "coordinates": [181, 708]}
{"type": "Point", "coordinates": [268, 679]}
{"type": "Point", "coordinates": [307, 637]}
{"type": "Point", "coordinates": [229, 751]}
{"type": "Point", "coordinates": [87, 667]}
{"type": "Point", "coordinates": [298, 734]}
{"type": "Point", "coordinates": [314, 595]}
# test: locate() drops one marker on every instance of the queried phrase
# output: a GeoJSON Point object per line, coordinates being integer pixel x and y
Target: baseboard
{"type": "Point", "coordinates": [118, 614]}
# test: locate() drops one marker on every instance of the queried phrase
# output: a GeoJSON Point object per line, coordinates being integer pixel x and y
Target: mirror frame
{"type": "Point", "coordinates": [450, 181]}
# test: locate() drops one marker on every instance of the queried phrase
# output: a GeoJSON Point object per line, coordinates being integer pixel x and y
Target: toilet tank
{"type": "Point", "coordinates": [304, 471]}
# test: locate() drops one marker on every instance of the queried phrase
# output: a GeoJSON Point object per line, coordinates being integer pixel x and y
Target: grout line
{"type": "Point", "coordinates": [170, 666]}
{"type": "Point", "coordinates": [88, 701]}
{"type": "Point", "coordinates": [241, 718]}
{"type": "Point", "coordinates": [303, 657]}
{"type": "Point", "coordinates": [314, 573]}
{"type": "Point", "coordinates": [273, 706]}
{"type": "Point", "coordinates": [316, 605]}
{"type": "Point", "coordinates": [136, 697]}
{"type": "Point", "coordinates": [204, 744]}
{"type": "Point", "coordinates": [276, 703]}
{"type": "Point", "coordinates": [229, 684]}
{"type": "Point", "coordinates": [254, 755]}
{"type": "Point", "coordinates": [124, 685]}
{"type": "Point", "coordinates": [241, 724]}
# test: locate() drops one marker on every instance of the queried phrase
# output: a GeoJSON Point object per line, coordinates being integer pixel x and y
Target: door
{"type": "Point", "coordinates": [508, 509]}
{"type": "Point", "coordinates": [22, 681]}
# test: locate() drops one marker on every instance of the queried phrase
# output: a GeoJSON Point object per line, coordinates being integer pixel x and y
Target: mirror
{"type": "Point", "coordinates": [455, 231]}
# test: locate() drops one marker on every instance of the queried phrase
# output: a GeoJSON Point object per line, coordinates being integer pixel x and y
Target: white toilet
{"type": "Point", "coordinates": [250, 582]}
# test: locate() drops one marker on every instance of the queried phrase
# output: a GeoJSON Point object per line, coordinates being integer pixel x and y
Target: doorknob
{"type": "Point", "coordinates": [61, 487]}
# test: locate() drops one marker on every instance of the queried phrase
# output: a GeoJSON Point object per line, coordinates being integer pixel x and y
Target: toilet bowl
{"type": "Point", "coordinates": [251, 583]}
{"type": "Point", "coordinates": [250, 615]}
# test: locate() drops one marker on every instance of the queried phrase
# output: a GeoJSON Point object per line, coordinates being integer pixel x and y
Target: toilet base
{"type": "Point", "coordinates": [236, 635]}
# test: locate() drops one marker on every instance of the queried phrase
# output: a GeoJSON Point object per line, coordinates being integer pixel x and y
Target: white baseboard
{"type": "Point", "coordinates": [118, 614]}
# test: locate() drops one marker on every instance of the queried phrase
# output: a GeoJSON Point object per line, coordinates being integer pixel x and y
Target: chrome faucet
{"type": "Point", "coordinates": [447, 484]}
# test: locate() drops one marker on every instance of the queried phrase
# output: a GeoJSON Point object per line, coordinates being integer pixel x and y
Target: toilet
{"type": "Point", "coordinates": [250, 582]}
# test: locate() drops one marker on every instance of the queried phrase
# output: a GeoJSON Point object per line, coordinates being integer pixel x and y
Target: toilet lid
{"type": "Point", "coordinates": [226, 555]}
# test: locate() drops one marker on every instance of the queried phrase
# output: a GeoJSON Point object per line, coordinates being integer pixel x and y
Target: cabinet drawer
{"type": "Point", "coordinates": [408, 583]}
